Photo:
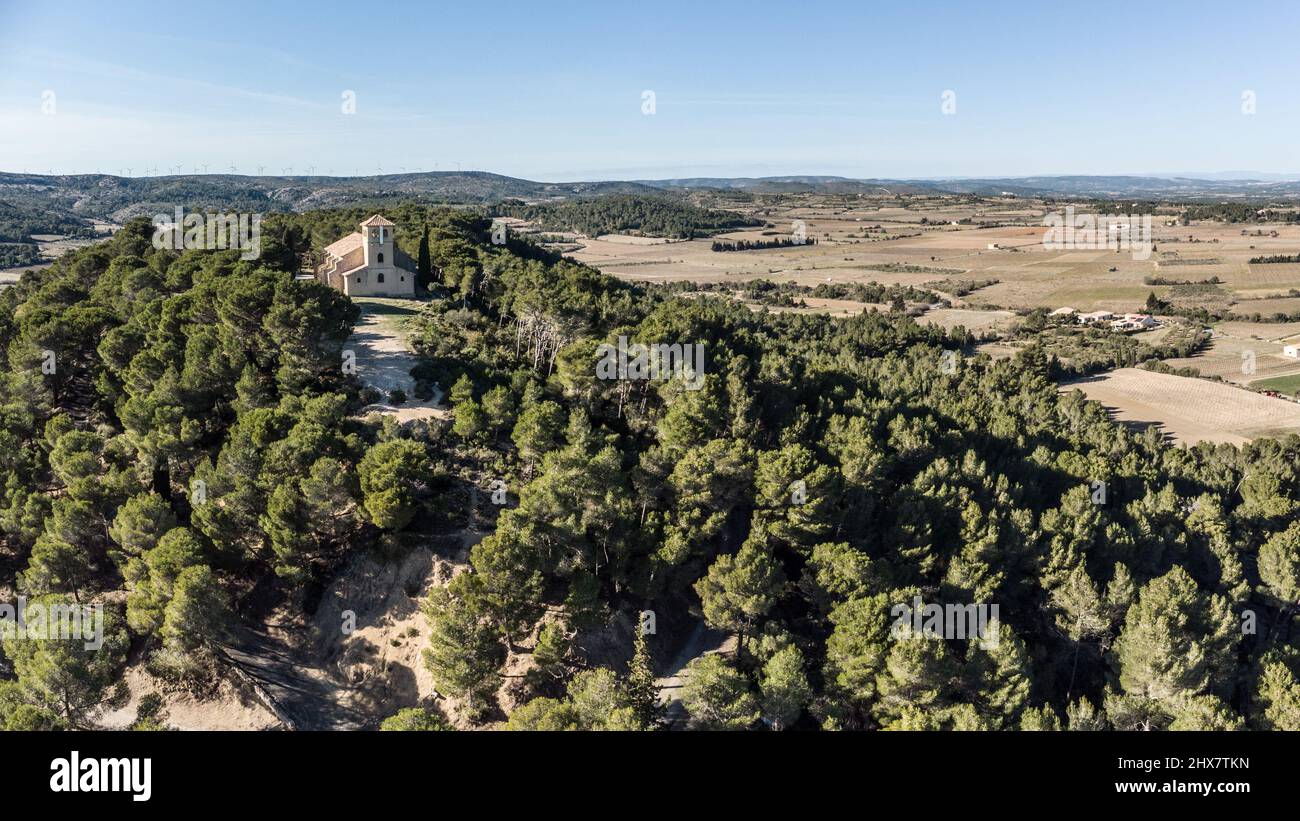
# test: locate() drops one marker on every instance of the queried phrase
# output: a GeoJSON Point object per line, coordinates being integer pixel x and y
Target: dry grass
{"type": "Point", "coordinates": [1029, 275]}
{"type": "Point", "coordinates": [1190, 410]}
{"type": "Point", "coordinates": [971, 320]}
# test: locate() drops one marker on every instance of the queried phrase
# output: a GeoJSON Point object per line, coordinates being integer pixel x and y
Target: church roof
{"type": "Point", "coordinates": [377, 220]}
{"type": "Point", "coordinates": [343, 247]}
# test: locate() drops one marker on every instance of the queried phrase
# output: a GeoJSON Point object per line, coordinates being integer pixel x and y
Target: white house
{"type": "Point", "coordinates": [367, 263]}
{"type": "Point", "coordinates": [1135, 322]}
{"type": "Point", "coordinates": [1292, 351]}
{"type": "Point", "coordinates": [1095, 316]}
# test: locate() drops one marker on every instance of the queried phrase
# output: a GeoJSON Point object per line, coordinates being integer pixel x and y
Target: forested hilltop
{"type": "Point", "coordinates": [660, 216]}
{"type": "Point", "coordinates": [178, 437]}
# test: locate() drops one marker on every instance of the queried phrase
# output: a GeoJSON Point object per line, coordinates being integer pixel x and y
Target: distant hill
{"type": "Point", "coordinates": [1105, 187]}
{"type": "Point", "coordinates": [102, 196]}
{"type": "Point", "coordinates": [36, 203]}
{"type": "Point", "coordinates": [657, 216]}
{"type": "Point", "coordinates": [1123, 187]}
{"type": "Point", "coordinates": [798, 185]}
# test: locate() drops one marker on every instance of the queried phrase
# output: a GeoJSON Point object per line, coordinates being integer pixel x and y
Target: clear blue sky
{"type": "Point", "coordinates": [553, 90]}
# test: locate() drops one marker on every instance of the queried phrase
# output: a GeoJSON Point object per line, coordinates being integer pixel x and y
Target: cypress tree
{"type": "Point", "coordinates": [423, 267]}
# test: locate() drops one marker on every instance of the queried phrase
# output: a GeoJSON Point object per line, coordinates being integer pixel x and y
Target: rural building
{"type": "Point", "coordinates": [367, 263]}
{"type": "Point", "coordinates": [1292, 351]}
{"type": "Point", "coordinates": [1135, 322]}
{"type": "Point", "coordinates": [1095, 316]}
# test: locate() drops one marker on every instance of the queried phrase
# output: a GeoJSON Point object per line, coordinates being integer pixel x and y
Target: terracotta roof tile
{"type": "Point", "coordinates": [351, 242]}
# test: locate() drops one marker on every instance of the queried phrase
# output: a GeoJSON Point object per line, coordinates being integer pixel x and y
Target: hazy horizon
{"type": "Point", "coordinates": [1207, 176]}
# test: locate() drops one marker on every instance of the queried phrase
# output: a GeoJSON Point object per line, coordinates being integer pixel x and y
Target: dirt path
{"type": "Point", "coordinates": [702, 640]}
{"type": "Point", "coordinates": [384, 361]}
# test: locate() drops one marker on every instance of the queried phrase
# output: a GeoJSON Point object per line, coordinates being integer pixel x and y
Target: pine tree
{"type": "Point", "coordinates": [498, 405]}
{"type": "Point", "coordinates": [1204, 713]}
{"type": "Point", "coordinates": [919, 672]}
{"type": "Point", "coordinates": [1279, 697]}
{"type": "Point", "coordinates": [1042, 718]}
{"type": "Point", "coordinates": [415, 719]}
{"type": "Point", "coordinates": [464, 651]}
{"type": "Point", "coordinates": [1279, 565]}
{"type": "Point", "coordinates": [642, 693]}
{"type": "Point", "coordinates": [855, 654]}
{"type": "Point", "coordinates": [717, 695]}
{"type": "Point", "coordinates": [1078, 606]}
{"type": "Point", "coordinates": [784, 687]}
{"type": "Point", "coordinates": [195, 618]}
{"type": "Point", "coordinates": [997, 671]}
{"type": "Point", "coordinates": [1176, 642]}
{"type": "Point", "coordinates": [739, 589]}
{"type": "Point", "coordinates": [1082, 716]}
{"type": "Point", "coordinates": [63, 679]}
{"type": "Point", "coordinates": [462, 391]}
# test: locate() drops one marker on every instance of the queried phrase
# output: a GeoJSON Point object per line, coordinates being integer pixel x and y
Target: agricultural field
{"type": "Point", "coordinates": [1237, 346]}
{"type": "Point", "coordinates": [833, 307]}
{"type": "Point", "coordinates": [1268, 306]}
{"type": "Point", "coordinates": [1286, 385]}
{"type": "Point", "coordinates": [1189, 410]}
{"type": "Point", "coordinates": [892, 241]}
{"type": "Point", "coordinates": [972, 320]}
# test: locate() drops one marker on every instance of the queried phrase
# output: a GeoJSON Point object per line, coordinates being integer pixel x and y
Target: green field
{"type": "Point", "coordinates": [388, 305]}
{"type": "Point", "coordinates": [1287, 385]}
{"type": "Point", "coordinates": [393, 313]}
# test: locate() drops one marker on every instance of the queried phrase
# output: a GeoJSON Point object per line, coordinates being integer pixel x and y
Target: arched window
{"type": "Point", "coordinates": [381, 278]}
{"type": "Point", "coordinates": [381, 257]}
